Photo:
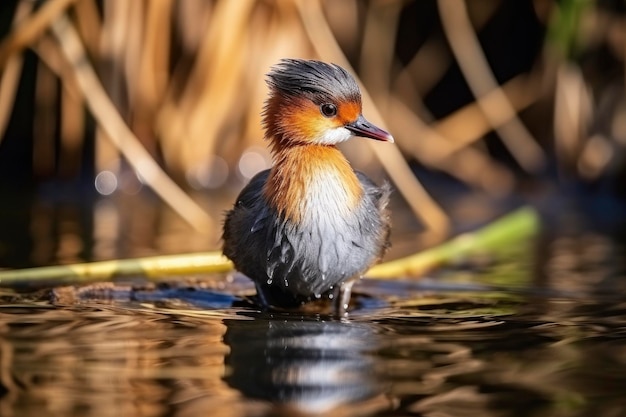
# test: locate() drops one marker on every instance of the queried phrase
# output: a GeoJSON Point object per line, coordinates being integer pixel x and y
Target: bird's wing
{"type": "Point", "coordinates": [379, 194]}
{"type": "Point", "coordinates": [248, 216]}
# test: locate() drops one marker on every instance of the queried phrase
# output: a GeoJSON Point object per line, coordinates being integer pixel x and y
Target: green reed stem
{"type": "Point", "coordinates": [512, 229]}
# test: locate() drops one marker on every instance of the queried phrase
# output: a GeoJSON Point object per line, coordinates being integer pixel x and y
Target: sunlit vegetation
{"type": "Point", "coordinates": [168, 93]}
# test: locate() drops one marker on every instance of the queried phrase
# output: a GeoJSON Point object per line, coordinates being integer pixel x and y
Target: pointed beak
{"type": "Point", "coordinates": [361, 127]}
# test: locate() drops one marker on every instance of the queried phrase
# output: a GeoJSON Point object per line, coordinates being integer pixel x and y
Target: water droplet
{"type": "Point", "coordinates": [331, 296]}
{"type": "Point", "coordinates": [317, 295]}
{"type": "Point", "coordinates": [269, 281]}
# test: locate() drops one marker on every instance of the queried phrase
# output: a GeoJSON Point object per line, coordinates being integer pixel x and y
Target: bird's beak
{"type": "Point", "coordinates": [361, 127]}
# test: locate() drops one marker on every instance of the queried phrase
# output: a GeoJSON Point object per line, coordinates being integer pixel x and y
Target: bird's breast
{"type": "Point", "coordinates": [312, 182]}
{"type": "Point", "coordinates": [337, 237]}
{"type": "Point", "coordinates": [329, 233]}
{"type": "Point", "coordinates": [327, 197]}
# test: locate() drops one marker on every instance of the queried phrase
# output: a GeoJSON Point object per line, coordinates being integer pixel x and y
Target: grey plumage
{"type": "Point", "coordinates": [291, 264]}
{"type": "Point", "coordinates": [310, 78]}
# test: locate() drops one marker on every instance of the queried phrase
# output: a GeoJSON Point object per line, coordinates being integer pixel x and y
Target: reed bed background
{"type": "Point", "coordinates": [168, 93]}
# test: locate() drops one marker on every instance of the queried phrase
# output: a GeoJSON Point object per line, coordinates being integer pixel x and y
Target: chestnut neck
{"type": "Point", "coordinates": [300, 170]}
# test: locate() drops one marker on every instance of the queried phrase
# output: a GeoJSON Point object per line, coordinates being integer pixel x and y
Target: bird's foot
{"type": "Point", "coordinates": [341, 297]}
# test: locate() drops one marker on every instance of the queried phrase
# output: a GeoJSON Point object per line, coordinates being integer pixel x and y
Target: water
{"type": "Point", "coordinates": [418, 349]}
{"type": "Point", "coordinates": [539, 332]}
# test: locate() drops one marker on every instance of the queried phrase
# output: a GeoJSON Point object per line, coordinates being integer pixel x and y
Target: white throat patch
{"type": "Point", "coordinates": [334, 136]}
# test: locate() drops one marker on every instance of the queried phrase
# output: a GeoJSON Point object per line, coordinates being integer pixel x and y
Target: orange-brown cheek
{"type": "Point", "coordinates": [349, 112]}
{"type": "Point", "coordinates": [306, 123]}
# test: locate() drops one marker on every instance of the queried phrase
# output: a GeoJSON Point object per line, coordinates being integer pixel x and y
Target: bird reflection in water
{"type": "Point", "coordinates": [306, 365]}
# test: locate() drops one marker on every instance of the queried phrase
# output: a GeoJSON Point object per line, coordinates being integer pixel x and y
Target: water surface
{"type": "Point", "coordinates": [422, 349]}
{"type": "Point", "coordinates": [539, 330]}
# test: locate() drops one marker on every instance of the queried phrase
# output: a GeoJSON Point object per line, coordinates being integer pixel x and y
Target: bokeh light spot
{"type": "Point", "coordinates": [252, 161]}
{"type": "Point", "coordinates": [106, 183]}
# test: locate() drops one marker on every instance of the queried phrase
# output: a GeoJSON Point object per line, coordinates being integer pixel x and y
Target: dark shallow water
{"type": "Point", "coordinates": [418, 349]}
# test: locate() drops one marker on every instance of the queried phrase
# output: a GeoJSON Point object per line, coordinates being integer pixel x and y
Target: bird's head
{"type": "Point", "coordinates": [312, 102]}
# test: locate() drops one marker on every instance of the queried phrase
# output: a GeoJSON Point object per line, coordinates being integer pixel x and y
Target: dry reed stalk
{"type": "Point", "coordinates": [475, 68]}
{"type": "Point", "coordinates": [422, 73]}
{"type": "Point", "coordinates": [343, 17]}
{"type": "Point", "coordinates": [46, 50]}
{"type": "Point", "coordinates": [277, 34]}
{"type": "Point", "coordinates": [45, 122]}
{"type": "Point", "coordinates": [190, 125]}
{"type": "Point", "coordinates": [110, 121]}
{"type": "Point", "coordinates": [280, 35]}
{"type": "Point", "coordinates": [191, 20]}
{"type": "Point", "coordinates": [216, 80]}
{"type": "Point", "coordinates": [153, 71]}
{"type": "Point", "coordinates": [9, 82]}
{"type": "Point", "coordinates": [572, 115]}
{"type": "Point", "coordinates": [263, 48]}
{"type": "Point", "coordinates": [378, 46]}
{"type": "Point", "coordinates": [420, 202]}
{"type": "Point", "coordinates": [179, 99]}
{"type": "Point", "coordinates": [477, 168]}
{"type": "Point", "coordinates": [89, 25]}
{"type": "Point", "coordinates": [71, 132]}
{"type": "Point", "coordinates": [468, 124]}
{"type": "Point", "coordinates": [376, 67]}
{"type": "Point", "coordinates": [107, 155]}
{"type": "Point", "coordinates": [31, 28]}
{"type": "Point", "coordinates": [431, 148]}
{"type": "Point", "coordinates": [141, 90]}
{"type": "Point", "coordinates": [445, 138]}
{"type": "Point", "coordinates": [218, 112]}
{"type": "Point", "coordinates": [147, 74]}
{"type": "Point", "coordinates": [432, 145]}
{"type": "Point", "coordinates": [10, 75]}
{"type": "Point", "coordinates": [130, 54]}
{"type": "Point", "coordinates": [111, 53]}
{"type": "Point", "coordinates": [259, 58]}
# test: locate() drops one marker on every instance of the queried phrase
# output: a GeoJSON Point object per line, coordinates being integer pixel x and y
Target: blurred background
{"type": "Point", "coordinates": [127, 128]}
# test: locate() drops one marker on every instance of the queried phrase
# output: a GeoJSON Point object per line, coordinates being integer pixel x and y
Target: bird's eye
{"type": "Point", "coordinates": [328, 109]}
